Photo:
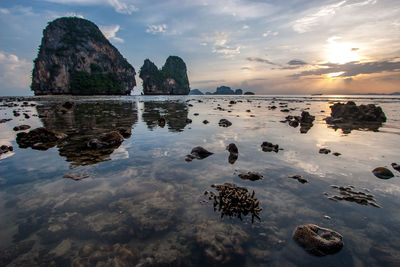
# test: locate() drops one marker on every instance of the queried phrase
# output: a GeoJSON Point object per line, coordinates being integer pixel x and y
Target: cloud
{"type": "Point", "coordinates": [154, 29]}
{"type": "Point", "coordinates": [297, 62]}
{"type": "Point", "coordinates": [207, 81]}
{"type": "Point", "coordinates": [110, 33]}
{"type": "Point", "coordinates": [352, 69]}
{"type": "Point", "coordinates": [221, 44]}
{"type": "Point", "coordinates": [4, 11]}
{"type": "Point", "coordinates": [261, 60]}
{"type": "Point", "coordinates": [14, 72]}
{"type": "Point", "coordinates": [355, 49]}
{"type": "Point", "coordinates": [245, 68]}
{"type": "Point", "coordinates": [120, 6]}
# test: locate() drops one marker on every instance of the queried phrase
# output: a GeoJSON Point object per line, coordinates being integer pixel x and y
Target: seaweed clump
{"type": "Point", "coordinates": [234, 201]}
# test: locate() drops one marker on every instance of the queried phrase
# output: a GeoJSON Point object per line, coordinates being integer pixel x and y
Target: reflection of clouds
{"type": "Point", "coordinates": [120, 153]}
{"type": "Point", "coordinates": [312, 168]}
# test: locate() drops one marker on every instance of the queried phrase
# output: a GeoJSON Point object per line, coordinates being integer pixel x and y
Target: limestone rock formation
{"type": "Point", "coordinates": [75, 58]}
{"type": "Point", "coordinates": [195, 92]}
{"type": "Point", "coordinates": [172, 79]}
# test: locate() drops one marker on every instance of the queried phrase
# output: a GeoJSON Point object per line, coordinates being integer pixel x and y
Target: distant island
{"type": "Point", "coordinates": [171, 79]}
{"type": "Point", "coordinates": [76, 58]}
{"type": "Point", "coordinates": [222, 90]}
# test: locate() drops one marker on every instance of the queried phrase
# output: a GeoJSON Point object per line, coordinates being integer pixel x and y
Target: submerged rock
{"type": "Point", "coordinates": [232, 148]}
{"type": "Point", "coordinates": [348, 193]}
{"type": "Point", "coordinates": [224, 123]}
{"type": "Point", "coordinates": [76, 176]}
{"type": "Point", "coordinates": [383, 173]}
{"type": "Point", "coordinates": [198, 152]}
{"type": "Point", "coordinates": [299, 178]}
{"type": "Point", "coordinates": [7, 255]}
{"type": "Point", "coordinates": [269, 147]}
{"type": "Point", "coordinates": [39, 138]}
{"type": "Point", "coordinates": [234, 201]}
{"type": "Point", "coordinates": [317, 240]}
{"type": "Point", "coordinates": [252, 176]}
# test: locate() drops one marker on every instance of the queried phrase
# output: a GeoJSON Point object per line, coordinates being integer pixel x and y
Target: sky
{"type": "Point", "coordinates": [264, 46]}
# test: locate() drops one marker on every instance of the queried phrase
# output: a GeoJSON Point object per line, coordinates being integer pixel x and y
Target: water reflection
{"type": "Point", "coordinates": [175, 114]}
{"type": "Point", "coordinates": [87, 125]}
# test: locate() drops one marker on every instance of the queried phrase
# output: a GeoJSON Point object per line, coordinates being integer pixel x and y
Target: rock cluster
{"type": "Point", "coordinates": [5, 149]}
{"type": "Point", "coordinates": [348, 193]}
{"type": "Point", "coordinates": [39, 138]}
{"type": "Point", "coordinates": [269, 147]}
{"type": "Point", "coordinates": [224, 123]}
{"type": "Point", "coordinates": [172, 79]}
{"type": "Point", "coordinates": [234, 201]}
{"type": "Point", "coordinates": [305, 121]}
{"type": "Point", "coordinates": [75, 58]}
{"type": "Point", "coordinates": [349, 116]}
{"type": "Point", "coordinates": [317, 240]}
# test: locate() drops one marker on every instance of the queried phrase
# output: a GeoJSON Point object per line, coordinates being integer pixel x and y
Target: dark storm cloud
{"type": "Point", "coordinates": [353, 68]}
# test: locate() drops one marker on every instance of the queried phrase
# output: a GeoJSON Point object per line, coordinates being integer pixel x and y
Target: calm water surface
{"type": "Point", "coordinates": [143, 204]}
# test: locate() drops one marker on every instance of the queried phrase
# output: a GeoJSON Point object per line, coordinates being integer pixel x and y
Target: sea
{"type": "Point", "coordinates": [144, 202]}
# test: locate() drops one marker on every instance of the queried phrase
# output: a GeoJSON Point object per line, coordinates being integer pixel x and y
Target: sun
{"type": "Point", "coordinates": [341, 52]}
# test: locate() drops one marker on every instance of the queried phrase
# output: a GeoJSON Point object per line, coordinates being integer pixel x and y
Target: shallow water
{"type": "Point", "coordinates": [143, 204]}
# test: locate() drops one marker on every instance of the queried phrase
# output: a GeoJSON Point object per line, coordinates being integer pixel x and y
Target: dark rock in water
{"type": "Point", "coordinates": [383, 173]}
{"type": "Point", "coordinates": [26, 115]}
{"type": "Point", "coordinates": [195, 92]}
{"type": "Point", "coordinates": [234, 201]}
{"type": "Point", "coordinates": [348, 193]}
{"type": "Point", "coordinates": [269, 147]}
{"type": "Point", "coordinates": [111, 139]}
{"type": "Point", "coordinates": [232, 148]}
{"type": "Point", "coordinates": [76, 176]}
{"type": "Point", "coordinates": [4, 120]}
{"type": "Point", "coordinates": [206, 122]}
{"type": "Point", "coordinates": [21, 127]}
{"type": "Point", "coordinates": [349, 117]}
{"type": "Point", "coordinates": [337, 154]}
{"type": "Point", "coordinates": [39, 138]}
{"type": "Point", "coordinates": [305, 121]}
{"type": "Point", "coordinates": [172, 79]}
{"type": "Point", "coordinates": [285, 110]}
{"type": "Point", "coordinates": [5, 149]}
{"type": "Point", "coordinates": [188, 121]}
{"type": "Point", "coordinates": [7, 255]}
{"type": "Point", "coordinates": [196, 114]}
{"type": "Point", "coordinates": [299, 178]}
{"type": "Point", "coordinates": [76, 58]}
{"type": "Point", "coordinates": [232, 102]}
{"type": "Point", "coordinates": [233, 158]}
{"type": "Point", "coordinates": [396, 166]}
{"type": "Point", "coordinates": [252, 176]}
{"type": "Point", "coordinates": [224, 123]}
{"type": "Point", "coordinates": [198, 153]}
{"type": "Point", "coordinates": [318, 241]}
{"type": "Point", "coordinates": [161, 122]}
{"type": "Point", "coordinates": [324, 151]}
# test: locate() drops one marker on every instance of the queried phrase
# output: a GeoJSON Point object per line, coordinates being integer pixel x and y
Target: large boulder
{"type": "Point", "coordinates": [76, 58]}
{"type": "Point", "coordinates": [172, 79]}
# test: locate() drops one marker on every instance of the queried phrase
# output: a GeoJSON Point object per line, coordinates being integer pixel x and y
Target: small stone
{"type": "Point", "coordinates": [232, 148]}
{"type": "Point", "coordinates": [21, 127]}
{"type": "Point", "coordinates": [383, 173]}
{"type": "Point", "coordinates": [396, 166]}
{"type": "Point", "coordinates": [268, 147]}
{"type": "Point", "coordinates": [337, 154]}
{"type": "Point", "coordinates": [252, 176]}
{"type": "Point", "coordinates": [299, 178]}
{"type": "Point", "coordinates": [206, 122]}
{"type": "Point", "coordinates": [324, 151]}
{"type": "Point", "coordinates": [224, 123]}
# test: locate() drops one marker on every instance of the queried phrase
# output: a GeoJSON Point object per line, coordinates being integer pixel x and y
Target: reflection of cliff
{"type": "Point", "coordinates": [175, 114]}
{"type": "Point", "coordinates": [88, 121]}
